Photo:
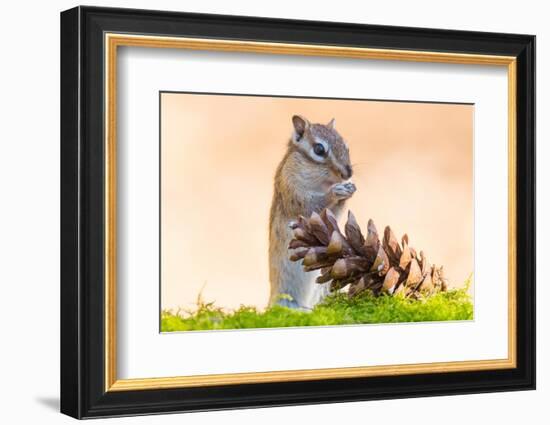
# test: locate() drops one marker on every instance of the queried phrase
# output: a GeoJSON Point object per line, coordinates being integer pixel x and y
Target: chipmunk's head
{"type": "Point", "coordinates": [323, 145]}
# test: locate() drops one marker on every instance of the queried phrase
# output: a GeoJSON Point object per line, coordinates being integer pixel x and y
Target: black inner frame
{"type": "Point", "coordinates": [82, 206]}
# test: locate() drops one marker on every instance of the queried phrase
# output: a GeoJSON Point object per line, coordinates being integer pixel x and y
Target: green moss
{"type": "Point", "coordinates": [336, 309]}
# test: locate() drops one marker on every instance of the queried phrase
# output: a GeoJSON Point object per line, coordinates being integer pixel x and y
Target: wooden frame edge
{"type": "Point", "coordinates": [306, 375]}
{"type": "Point", "coordinates": [114, 40]}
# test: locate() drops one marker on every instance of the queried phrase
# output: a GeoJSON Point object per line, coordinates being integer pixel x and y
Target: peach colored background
{"type": "Point", "coordinates": [414, 171]}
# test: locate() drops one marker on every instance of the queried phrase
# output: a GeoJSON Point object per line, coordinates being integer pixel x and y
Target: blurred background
{"type": "Point", "coordinates": [413, 171]}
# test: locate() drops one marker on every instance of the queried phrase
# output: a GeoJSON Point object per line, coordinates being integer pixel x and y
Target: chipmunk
{"type": "Point", "coordinates": [312, 176]}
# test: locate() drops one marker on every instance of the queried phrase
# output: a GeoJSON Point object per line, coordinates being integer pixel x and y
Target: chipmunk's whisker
{"type": "Point", "coordinates": [359, 164]}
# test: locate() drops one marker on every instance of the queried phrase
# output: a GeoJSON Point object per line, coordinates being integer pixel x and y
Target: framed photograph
{"type": "Point", "coordinates": [260, 212]}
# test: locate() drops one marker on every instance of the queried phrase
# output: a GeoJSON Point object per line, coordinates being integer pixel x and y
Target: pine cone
{"type": "Point", "coordinates": [362, 263]}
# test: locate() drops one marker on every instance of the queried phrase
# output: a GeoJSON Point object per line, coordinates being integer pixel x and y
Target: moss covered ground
{"type": "Point", "coordinates": [337, 309]}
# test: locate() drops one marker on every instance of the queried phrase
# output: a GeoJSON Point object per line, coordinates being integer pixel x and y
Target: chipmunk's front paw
{"type": "Point", "coordinates": [343, 191]}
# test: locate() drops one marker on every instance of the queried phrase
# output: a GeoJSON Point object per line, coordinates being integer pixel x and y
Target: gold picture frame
{"type": "Point", "coordinates": [114, 41]}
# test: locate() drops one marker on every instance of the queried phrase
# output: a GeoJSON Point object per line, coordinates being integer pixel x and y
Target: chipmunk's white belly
{"type": "Point", "coordinates": [293, 286]}
{"type": "Point", "coordinates": [318, 292]}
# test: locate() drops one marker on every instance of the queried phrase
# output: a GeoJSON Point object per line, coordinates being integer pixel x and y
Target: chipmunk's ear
{"type": "Point", "coordinates": [301, 124]}
{"type": "Point", "coordinates": [331, 124]}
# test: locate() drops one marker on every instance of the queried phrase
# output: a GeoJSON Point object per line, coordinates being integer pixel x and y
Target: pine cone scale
{"type": "Point", "coordinates": [362, 262]}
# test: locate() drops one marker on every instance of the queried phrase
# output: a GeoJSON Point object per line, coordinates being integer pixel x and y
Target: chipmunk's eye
{"type": "Point", "coordinates": [319, 149]}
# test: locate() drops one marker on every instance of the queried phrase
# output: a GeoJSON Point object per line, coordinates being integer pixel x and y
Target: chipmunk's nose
{"type": "Point", "coordinates": [347, 173]}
